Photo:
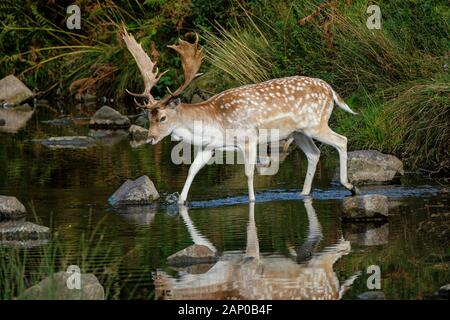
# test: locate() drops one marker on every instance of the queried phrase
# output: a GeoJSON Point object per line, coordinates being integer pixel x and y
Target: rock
{"type": "Point", "coordinates": [372, 295]}
{"type": "Point", "coordinates": [366, 207]}
{"type": "Point", "coordinates": [139, 191]}
{"type": "Point", "coordinates": [371, 166]}
{"type": "Point", "coordinates": [14, 119]}
{"type": "Point", "coordinates": [138, 133]}
{"type": "Point", "coordinates": [443, 292]}
{"type": "Point", "coordinates": [142, 121]}
{"type": "Point", "coordinates": [108, 137]}
{"type": "Point", "coordinates": [56, 287]}
{"type": "Point", "coordinates": [11, 208]}
{"type": "Point", "coordinates": [26, 244]}
{"type": "Point", "coordinates": [22, 231]}
{"type": "Point", "coordinates": [69, 142]}
{"type": "Point", "coordinates": [366, 234]}
{"type": "Point", "coordinates": [194, 254]}
{"type": "Point", "coordinates": [107, 117]}
{"type": "Point", "coordinates": [13, 91]}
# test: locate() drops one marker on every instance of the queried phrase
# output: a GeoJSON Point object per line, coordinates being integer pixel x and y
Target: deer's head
{"type": "Point", "coordinates": [163, 112]}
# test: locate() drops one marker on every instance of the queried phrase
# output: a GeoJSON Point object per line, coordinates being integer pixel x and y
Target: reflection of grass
{"type": "Point", "coordinates": [23, 268]}
{"type": "Point", "coordinates": [409, 269]}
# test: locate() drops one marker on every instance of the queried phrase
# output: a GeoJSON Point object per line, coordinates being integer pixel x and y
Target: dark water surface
{"type": "Point", "coordinates": [282, 247]}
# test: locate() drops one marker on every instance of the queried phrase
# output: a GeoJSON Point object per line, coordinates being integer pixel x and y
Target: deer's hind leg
{"type": "Point", "coordinates": [328, 136]}
{"type": "Point", "coordinates": [307, 145]}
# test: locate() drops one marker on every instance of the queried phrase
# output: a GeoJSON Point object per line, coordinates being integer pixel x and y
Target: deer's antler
{"type": "Point", "coordinates": [146, 67]}
{"type": "Point", "coordinates": [191, 60]}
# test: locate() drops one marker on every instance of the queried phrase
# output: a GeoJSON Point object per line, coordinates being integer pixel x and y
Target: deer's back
{"type": "Point", "coordinates": [290, 103]}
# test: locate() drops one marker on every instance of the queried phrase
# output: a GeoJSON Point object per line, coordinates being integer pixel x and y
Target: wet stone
{"type": "Point", "coordinates": [11, 208]}
{"type": "Point", "coordinates": [107, 117]}
{"type": "Point", "coordinates": [56, 287]}
{"type": "Point", "coordinates": [138, 133]}
{"type": "Point", "coordinates": [139, 191]}
{"type": "Point", "coordinates": [194, 254]}
{"type": "Point", "coordinates": [372, 295]}
{"type": "Point", "coordinates": [68, 142]}
{"type": "Point", "coordinates": [13, 91]}
{"type": "Point", "coordinates": [366, 207]}
{"type": "Point", "coordinates": [22, 231]}
{"type": "Point", "coordinates": [371, 166]}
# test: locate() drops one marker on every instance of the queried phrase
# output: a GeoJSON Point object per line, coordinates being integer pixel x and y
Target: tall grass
{"type": "Point", "coordinates": [396, 81]}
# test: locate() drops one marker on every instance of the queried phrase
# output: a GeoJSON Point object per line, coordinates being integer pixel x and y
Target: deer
{"type": "Point", "coordinates": [298, 107]}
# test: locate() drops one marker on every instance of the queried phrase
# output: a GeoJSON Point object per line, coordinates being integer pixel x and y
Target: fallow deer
{"type": "Point", "coordinates": [297, 107]}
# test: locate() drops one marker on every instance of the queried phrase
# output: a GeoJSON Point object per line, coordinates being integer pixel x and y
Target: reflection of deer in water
{"type": "Point", "coordinates": [309, 275]}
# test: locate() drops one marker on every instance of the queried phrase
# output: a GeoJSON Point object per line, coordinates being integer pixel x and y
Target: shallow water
{"type": "Point", "coordinates": [284, 246]}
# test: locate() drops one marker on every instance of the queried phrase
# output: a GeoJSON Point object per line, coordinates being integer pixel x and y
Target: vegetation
{"type": "Point", "coordinates": [396, 78]}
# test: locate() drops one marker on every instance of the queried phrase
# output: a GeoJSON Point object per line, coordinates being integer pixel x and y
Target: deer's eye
{"type": "Point", "coordinates": [162, 119]}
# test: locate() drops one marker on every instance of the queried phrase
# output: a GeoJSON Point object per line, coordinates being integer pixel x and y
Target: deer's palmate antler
{"type": "Point", "coordinates": [296, 107]}
{"type": "Point", "coordinates": [191, 60]}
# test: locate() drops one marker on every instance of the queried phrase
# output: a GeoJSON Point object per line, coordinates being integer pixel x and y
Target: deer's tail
{"type": "Point", "coordinates": [341, 103]}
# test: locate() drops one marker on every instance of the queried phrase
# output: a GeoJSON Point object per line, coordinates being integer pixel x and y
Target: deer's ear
{"type": "Point", "coordinates": [174, 103]}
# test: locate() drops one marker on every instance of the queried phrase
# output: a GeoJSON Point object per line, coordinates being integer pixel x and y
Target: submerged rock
{"type": "Point", "coordinates": [22, 231]}
{"type": "Point", "coordinates": [366, 207]}
{"type": "Point", "coordinates": [366, 234]}
{"type": "Point", "coordinates": [138, 133]}
{"type": "Point", "coordinates": [107, 117]}
{"type": "Point", "coordinates": [139, 191]}
{"type": "Point", "coordinates": [371, 166]}
{"type": "Point", "coordinates": [194, 254]}
{"type": "Point", "coordinates": [11, 208]}
{"type": "Point", "coordinates": [372, 295]}
{"type": "Point", "coordinates": [13, 91]}
{"type": "Point", "coordinates": [68, 142]}
{"type": "Point", "coordinates": [56, 287]}
{"type": "Point", "coordinates": [108, 137]}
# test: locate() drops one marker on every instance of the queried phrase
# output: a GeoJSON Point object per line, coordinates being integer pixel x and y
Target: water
{"type": "Point", "coordinates": [284, 246]}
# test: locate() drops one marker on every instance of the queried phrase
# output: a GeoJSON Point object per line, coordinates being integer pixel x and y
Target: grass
{"type": "Point", "coordinates": [397, 82]}
{"type": "Point", "coordinates": [23, 268]}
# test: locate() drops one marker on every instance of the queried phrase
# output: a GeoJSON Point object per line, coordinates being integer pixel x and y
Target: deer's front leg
{"type": "Point", "coordinates": [200, 160]}
{"type": "Point", "coordinates": [250, 161]}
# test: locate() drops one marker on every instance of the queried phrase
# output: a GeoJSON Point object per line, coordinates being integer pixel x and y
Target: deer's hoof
{"type": "Point", "coordinates": [355, 191]}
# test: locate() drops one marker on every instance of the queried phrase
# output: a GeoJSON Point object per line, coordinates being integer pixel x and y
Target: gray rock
{"type": "Point", "coordinates": [142, 121]}
{"type": "Point", "coordinates": [69, 142]}
{"type": "Point", "coordinates": [138, 133]}
{"type": "Point", "coordinates": [372, 295]}
{"type": "Point", "coordinates": [22, 231]}
{"type": "Point", "coordinates": [15, 119]}
{"type": "Point", "coordinates": [194, 254]}
{"type": "Point", "coordinates": [366, 234]}
{"type": "Point", "coordinates": [11, 208]}
{"type": "Point", "coordinates": [26, 244]}
{"type": "Point", "coordinates": [13, 91]}
{"type": "Point", "coordinates": [366, 207]}
{"type": "Point", "coordinates": [139, 191]}
{"type": "Point", "coordinates": [371, 166]}
{"type": "Point", "coordinates": [108, 137]}
{"type": "Point", "coordinates": [56, 287]}
{"type": "Point", "coordinates": [107, 117]}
